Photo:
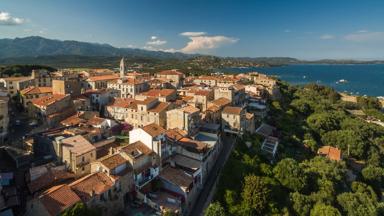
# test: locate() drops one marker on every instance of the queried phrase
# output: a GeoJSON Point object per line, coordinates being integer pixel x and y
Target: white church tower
{"type": "Point", "coordinates": [122, 68]}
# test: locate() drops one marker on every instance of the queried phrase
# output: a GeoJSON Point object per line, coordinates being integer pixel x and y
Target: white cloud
{"type": "Point", "coordinates": [192, 34]}
{"type": "Point", "coordinates": [362, 31]}
{"type": "Point", "coordinates": [7, 19]}
{"type": "Point", "coordinates": [201, 43]}
{"type": "Point", "coordinates": [287, 30]}
{"type": "Point", "coordinates": [155, 41]}
{"type": "Point", "coordinates": [365, 36]}
{"type": "Point", "coordinates": [152, 48]}
{"type": "Point", "coordinates": [327, 37]}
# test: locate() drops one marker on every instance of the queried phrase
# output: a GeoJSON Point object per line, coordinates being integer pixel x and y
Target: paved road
{"type": "Point", "coordinates": [198, 209]}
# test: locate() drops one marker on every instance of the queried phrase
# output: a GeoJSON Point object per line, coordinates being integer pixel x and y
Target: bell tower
{"type": "Point", "coordinates": [122, 68]}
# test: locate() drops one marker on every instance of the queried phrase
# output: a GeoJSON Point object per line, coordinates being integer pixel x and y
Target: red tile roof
{"type": "Point", "coordinates": [177, 177]}
{"type": "Point", "coordinates": [59, 198]}
{"type": "Point", "coordinates": [220, 102]}
{"type": "Point", "coordinates": [122, 102]}
{"type": "Point", "coordinates": [92, 184]}
{"type": "Point", "coordinates": [103, 77]}
{"type": "Point", "coordinates": [153, 129]}
{"type": "Point", "coordinates": [136, 147]}
{"type": "Point", "coordinates": [159, 92]}
{"type": "Point", "coordinates": [36, 90]}
{"type": "Point", "coordinates": [96, 121]}
{"type": "Point", "coordinates": [232, 110]}
{"type": "Point", "coordinates": [48, 100]}
{"type": "Point", "coordinates": [111, 162]}
{"type": "Point", "coordinates": [331, 152]}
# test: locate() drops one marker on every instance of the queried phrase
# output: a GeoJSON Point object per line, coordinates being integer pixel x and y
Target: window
{"type": "Point", "coordinates": [83, 159]}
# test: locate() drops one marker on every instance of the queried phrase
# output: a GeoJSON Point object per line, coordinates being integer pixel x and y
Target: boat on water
{"type": "Point", "coordinates": [342, 81]}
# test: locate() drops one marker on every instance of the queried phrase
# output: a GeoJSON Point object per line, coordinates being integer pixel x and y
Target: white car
{"type": "Point", "coordinates": [33, 123]}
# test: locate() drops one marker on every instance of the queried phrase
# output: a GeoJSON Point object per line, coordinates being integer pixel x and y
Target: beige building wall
{"type": "Point", "coordinates": [78, 164]}
{"type": "Point", "coordinates": [70, 86]}
{"type": "Point", "coordinates": [4, 117]}
{"type": "Point", "coordinates": [232, 120]}
{"type": "Point", "coordinates": [224, 92]}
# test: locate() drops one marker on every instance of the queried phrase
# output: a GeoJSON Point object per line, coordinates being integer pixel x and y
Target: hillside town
{"type": "Point", "coordinates": [124, 141]}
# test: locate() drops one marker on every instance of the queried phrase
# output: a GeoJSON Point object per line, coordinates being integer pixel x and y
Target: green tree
{"type": "Point", "coordinates": [346, 139]}
{"type": "Point", "coordinates": [321, 209]}
{"type": "Point", "coordinates": [374, 175]}
{"type": "Point", "coordinates": [79, 209]}
{"type": "Point", "coordinates": [290, 174]}
{"type": "Point", "coordinates": [301, 204]}
{"type": "Point", "coordinates": [357, 204]}
{"type": "Point", "coordinates": [255, 195]}
{"type": "Point", "coordinates": [214, 209]}
{"type": "Point", "coordinates": [323, 122]}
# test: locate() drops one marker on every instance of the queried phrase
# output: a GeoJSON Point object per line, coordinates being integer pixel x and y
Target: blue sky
{"type": "Point", "coordinates": [305, 29]}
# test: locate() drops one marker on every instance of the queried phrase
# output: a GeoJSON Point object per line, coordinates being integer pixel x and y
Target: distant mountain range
{"type": "Point", "coordinates": [69, 53]}
{"type": "Point", "coordinates": [35, 46]}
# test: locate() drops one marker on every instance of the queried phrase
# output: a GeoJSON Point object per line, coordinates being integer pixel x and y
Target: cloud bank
{"type": "Point", "coordinates": [7, 19]}
{"type": "Point", "coordinates": [199, 41]}
{"type": "Point", "coordinates": [365, 36]}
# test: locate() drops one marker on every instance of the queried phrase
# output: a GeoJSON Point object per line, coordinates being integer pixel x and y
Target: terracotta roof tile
{"type": "Point", "coordinates": [78, 144]}
{"type": "Point", "coordinates": [153, 129]}
{"type": "Point", "coordinates": [176, 134]}
{"type": "Point", "coordinates": [48, 100]}
{"type": "Point", "coordinates": [193, 145]}
{"type": "Point", "coordinates": [220, 102]}
{"type": "Point", "coordinates": [232, 110]}
{"type": "Point", "coordinates": [177, 177]}
{"type": "Point", "coordinates": [36, 90]}
{"type": "Point", "coordinates": [159, 92]}
{"type": "Point", "coordinates": [103, 77]}
{"type": "Point", "coordinates": [113, 161]}
{"type": "Point", "coordinates": [136, 149]}
{"type": "Point", "coordinates": [161, 106]}
{"type": "Point", "coordinates": [92, 184]}
{"type": "Point", "coordinates": [190, 109]}
{"type": "Point", "coordinates": [121, 102]}
{"type": "Point", "coordinates": [59, 198]}
{"type": "Point", "coordinates": [96, 121]}
{"type": "Point", "coordinates": [72, 120]}
{"type": "Point", "coordinates": [331, 152]}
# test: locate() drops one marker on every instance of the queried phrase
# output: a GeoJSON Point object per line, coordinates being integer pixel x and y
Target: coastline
{"type": "Point", "coordinates": [362, 79]}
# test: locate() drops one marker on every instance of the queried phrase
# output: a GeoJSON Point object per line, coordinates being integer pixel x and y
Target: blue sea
{"type": "Point", "coordinates": [361, 79]}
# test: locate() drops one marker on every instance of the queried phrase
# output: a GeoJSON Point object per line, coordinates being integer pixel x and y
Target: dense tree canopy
{"type": "Point", "coordinates": [308, 117]}
{"type": "Point", "coordinates": [290, 174]}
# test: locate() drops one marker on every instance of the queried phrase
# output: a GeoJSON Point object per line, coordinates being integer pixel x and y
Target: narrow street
{"type": "Point", "coordinates": [202, 200]}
